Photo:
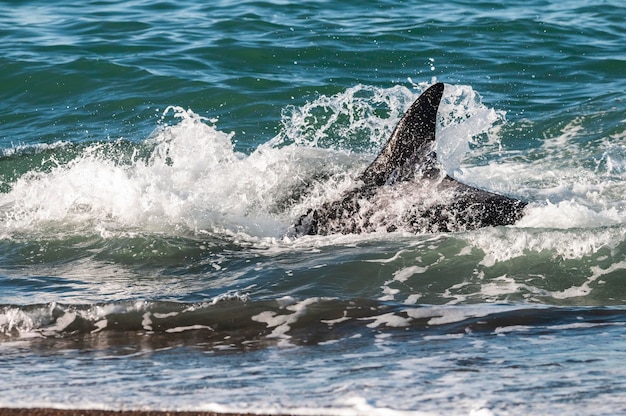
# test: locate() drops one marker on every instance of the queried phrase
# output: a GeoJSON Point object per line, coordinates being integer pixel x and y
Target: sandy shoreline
{"type": "Point", "coordinates": [86, 412]}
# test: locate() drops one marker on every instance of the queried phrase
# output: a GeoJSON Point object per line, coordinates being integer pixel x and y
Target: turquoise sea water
{"type": "Point", "coordinates": [154, 155]}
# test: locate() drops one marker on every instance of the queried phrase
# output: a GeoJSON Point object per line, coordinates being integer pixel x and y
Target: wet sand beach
{"type": "Point", "coordinates": [86, 412]}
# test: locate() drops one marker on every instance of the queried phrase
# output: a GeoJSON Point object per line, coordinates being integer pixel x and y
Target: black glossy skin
{"type": "Point", "coordinates": [407, 168]}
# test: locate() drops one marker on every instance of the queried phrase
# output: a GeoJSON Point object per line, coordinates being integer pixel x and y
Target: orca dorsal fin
{"type": "Point", "coordinates": [410, 143]}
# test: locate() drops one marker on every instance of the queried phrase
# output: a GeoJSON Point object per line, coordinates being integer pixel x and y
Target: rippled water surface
{"type": "Point", "coordinates": [155, 155]}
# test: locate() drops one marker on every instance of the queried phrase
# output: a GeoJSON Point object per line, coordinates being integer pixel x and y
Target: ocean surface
{"type": "Point", "coordinates": [154, 156]}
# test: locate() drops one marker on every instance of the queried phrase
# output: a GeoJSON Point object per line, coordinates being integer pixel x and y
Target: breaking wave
{"type": "Point", "coordinates": [187, 177]}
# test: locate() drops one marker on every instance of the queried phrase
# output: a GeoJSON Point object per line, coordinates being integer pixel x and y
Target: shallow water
{"type": "Point", "coordinates": [153, 157]}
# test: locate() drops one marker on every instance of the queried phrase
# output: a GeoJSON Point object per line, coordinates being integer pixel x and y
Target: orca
{"type": "Point", "coordinates": [405, 188]}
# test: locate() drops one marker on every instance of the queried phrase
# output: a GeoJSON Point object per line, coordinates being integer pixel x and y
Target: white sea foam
{"type": "Point", "coordinates": [585, 288]}
{"type": "Point", "coordinates": [188, 181]}
{"type": "Point", "coordinates": [52, 319]}
{"type": "Point", "coordinates": [179, 329]}
{"type": "Point", "coordinates": [501, 244]}
{"type": "Point", "coordinates": [281, 323]}
{"type": "Point", "coordinates": [343, 120]}
{"type": "Point", "coordinates": [194, 181]}
{"type": "Point", "coordinates": [13, 319]}
{"type": "Point", "coordinates": [388, 319]}
{"type": "Point", "coordinates": [19, 149]}
{"type": "Point", "coordinates": [440, 315]}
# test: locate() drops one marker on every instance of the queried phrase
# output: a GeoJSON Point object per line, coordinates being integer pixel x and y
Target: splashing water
{"type": "Point", "coordinates": [186, 177]}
